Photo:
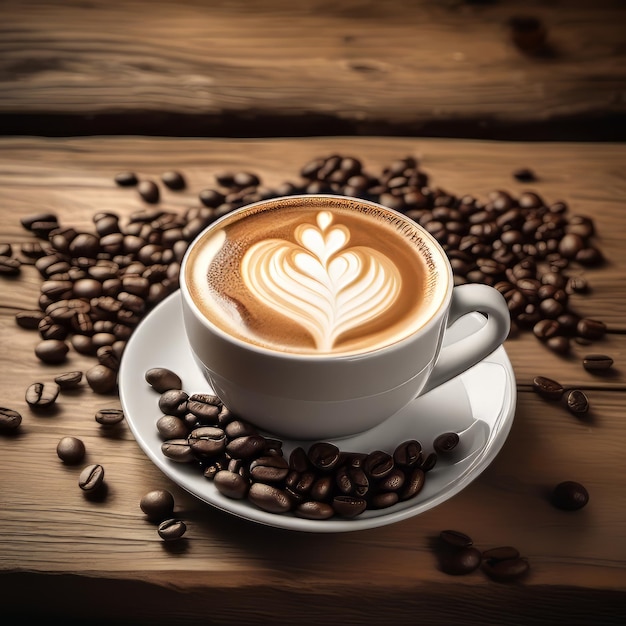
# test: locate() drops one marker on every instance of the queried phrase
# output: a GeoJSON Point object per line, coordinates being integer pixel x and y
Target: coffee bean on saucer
{"type": "Point", "coordinates": [69, 380]}
{"type": "Point", "coordinates": [109, 417]}
{"type": "Point", "coordinates": [173, 180]}
{"type": "Point", "coordinates": [577, 402]}
{"type": "Point", "coordinates": [157, 504]}
{"type": "Point", "coordinates": [548, 388]}
{"type": "Point", "coordinates": [172, 529]}
{"type": "Point", "coordinates": [570, 496]}
{"type": "Point", "coordinates": [149, 191]}
{"type": "Point", "coordinates": [172, 427]}
{"type": "Point", "coordinates": [42, 395]}
{"type": "Point", "coordinates": [314, 510]}
{"type": "Point", "coordinates": [408, 453]}
{"type": "Point", "coordinates": [9, 419]}
{"type": "Point", "coordinates": [91, 478]}
{"type": "Point", "coordinates": [162, 379]}
{"type": "Point", "coordinates": [324, 456]}
{"type": "Point", "coordinates": [597, 362]}
{"type": "Point", "coordinates": [349, 506]}
{"type": "Point", "coordinates": [71, 450]}
{"type": "Point", "coordinates": [269, 498]}
{"type": "Point", "coordinates": [178, 450]}
{"type": "Point", "coordinates": [174, 402]}
{"type": "Point", "coordinates": [445, 443]}
{"type": "Point", "coordinates": [231, 484]}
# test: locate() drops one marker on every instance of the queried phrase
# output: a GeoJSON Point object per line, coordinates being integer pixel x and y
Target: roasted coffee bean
{"type": "Point", "coordinates": [69, 380]}
{"type": "Point", "coordinates": [384, 499]}
{"type": "Point", "coordinates": [246, 447]}
{"type": "Point", "coordinates": [269, 469]}
{"type": "Point", "coordinates": [29, 319]}
{"type": "Point", "coordinates": [231, 484]}
{"type": "Point", "coordinates": [28, 221]}
{"type": "Point", "coordinates": [461, 561]}
{"type": "Point", "coordinates": [597, 362]}
{"type": "Point", "coordinates": [52, 351]}
{"type": "Point", "coordinates": [348, 506]}
{"type": "Point", "coordinates": [524, 175]}
{"type": "Point", "coordinates": [455, 539]}
{"type": "Point", "coordinates": [413, 484]}
{"type": "Point", "coordinates": [378, 464]}
{"type": "Point", "coordinates": [269, 498]}
{"type": "Point", "coordinates": [126, 179]}
{"type": "Point", "coordinates": [445, 443]}
{"type": "Point", "coordinates": [559, 344]}
{"type": "Point", "coordinates": [173, 180]}
{"type": "Point", "coordinates": [101, 379]}
{"type": "Point", "coordinates": [178, 450]}
{"type": "Point", "coordinates": [172, 427]}
{"type": "Point", "coordinates": [207, 441]}
{"type": "Point", "coordinates": [48, 329]}
{"type": "Point", "coordinates": [576, 284]}
{"type": "Point", "coordinates": [548, 388]}
{"type": "Point", "coordinates": [83, 344]}
{"type": "Point", "coordinates": [91, 478]}
{"type": "Point", "coordinates": [238, 428]}
{"type": "Point", "coordinates": [591, 329]}
{"type": "Point", "coordinates": [71, 450]}
{"type": "Point", "coordinates": [311, 509]}
{"type": "Point", "coordinates": [205, 407]}
{"type": "Point", "coordinates": [174, 402]}
{"type": "Point", "coordinates": [157, 504]}
{"type": "Point", "coordinates": [577, 402]}
{"type": "Point", "coordinates": [569, 496]}
{"type": "Point", "coordinates": [298, 460]}
{"type": "Point", "coordinates": [108, 358]}
{"type": "Point", "coordinates": [9, 266]}
{"type": "Point", "coordinates": [507, 569]}
{"type": "Point", "coordinates": [324, 456]}
{"type": "Point", "coordinates": [9, 419]}
{"type": "Point", "coordinates": [429, 462]}
{"type": "Point", "coordinates": [149, 191]}
{"type": "Point", "coordinates": [42, 395]}
{"type": "Point", "coordinates": [408, 453]}
{"type": "Point", "coordinates": [211, 198]}
{"type": "Point", "coordinates": [501, 553]}
{"type": "Point", "coordinates": [172, 529]}
{"type": "Point", "coordinates": [109, 417]}
{"type": "Point", "coordinates": [392, 481]}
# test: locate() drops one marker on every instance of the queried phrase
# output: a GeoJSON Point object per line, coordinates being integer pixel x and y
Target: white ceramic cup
{"type": "Point", "coordinates": [326, 396]}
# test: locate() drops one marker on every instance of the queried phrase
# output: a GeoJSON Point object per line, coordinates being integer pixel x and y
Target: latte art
{"type": "Point", "coordinates": [316, 275]}
{"type": "Point", "coordinates": [319, 281]}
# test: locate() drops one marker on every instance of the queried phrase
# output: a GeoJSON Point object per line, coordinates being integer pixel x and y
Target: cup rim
{"type": "Point", "coordinates": [441, 308]}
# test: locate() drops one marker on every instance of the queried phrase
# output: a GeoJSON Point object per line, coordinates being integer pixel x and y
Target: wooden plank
{"type": "Point", "coordinates": [357, 62]}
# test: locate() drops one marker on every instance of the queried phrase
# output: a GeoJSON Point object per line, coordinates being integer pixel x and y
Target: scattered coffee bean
{"type": "Point", "coordinates": [524, 175]}
{"type": "Point", "coordinates": [591, 329]}
{"type": "Point", "coordinates": [577, 402]}
{"type": "Point", "coordinates": [69, 380]}
{"type": "Point", "coordinates": [157, 504]}
{"type": "Point", "coordinates": [9, 266]}
{"type": "Point", "coordinates": [10, 420]}
{"type": "Point", "coordinates": [149, 191]}
{"type": "Point", "coordinates": [91, 478]}
{"type": "Point", "coordinates": [163, 379]}
{"type": "Point", "coordinates": [52, 351]}
{"type": "Point", "coordinates": [528, 34]}
{"type": "Point", "coordinates": [569, 496]}
{"type": "Point", "coordinates": [42, 395]}
{"type": "Point", "coordinates": [29, 319]}
{"type": "Point", "coordinates": [172, 529]}
{"type": "Point", "coordinates": [460, 561]}
{"type": "Point", "coordinates": [101, 379]}
{"type": "Point", "coordinates": [126, 179]}
{"type": "Point", "coordinates": [173, 180]}
{"type": "Point", "coordinates": [445, 443]}
{"type": "Point", "coordinates": [501, 553]}
{"type": "Point", "coordinates": [506, 570]}
{"type": "Point", "coordinates": [597, 362]}
{"type": "Point", "coordinates": [455, 539]}
{"type": "Point", "coordinates": [71, 450]}
{"type": "Point", "coordinates": [548, 388]}
{"type": "Point", "coordinates": [109, 417]}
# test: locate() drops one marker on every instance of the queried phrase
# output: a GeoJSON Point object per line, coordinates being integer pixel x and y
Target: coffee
{"type": "Point", "coordinates": [317, 275]}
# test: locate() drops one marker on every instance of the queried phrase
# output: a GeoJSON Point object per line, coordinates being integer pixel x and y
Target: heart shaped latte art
{"type": "Point", "coordinates": [319, 282]}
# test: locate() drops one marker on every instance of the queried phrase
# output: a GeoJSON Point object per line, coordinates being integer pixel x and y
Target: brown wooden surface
{"type": "Point", "coordinates": [218, 67]}
{"type": "Point", "coordinates": [62, 555]}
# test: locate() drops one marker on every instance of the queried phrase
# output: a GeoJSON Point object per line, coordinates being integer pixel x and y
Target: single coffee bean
{"type": "Point", "coordinates": [507, 569]}
{"type": "Point", "coordinates": [91, 478]}
{"type": "Point", "coordinates": [524, 175]}
{"type": "Point", "coordinates": [173, 402]}
{"type": "Point", "coordinates": [231, 484]}
{"type": "Point", "coordinates": [149, 191]}
{"type": "Point", "coordinates": [173, 180]}
{"type": "Point", "coordinates": [591, 329]}
{"type": "Point", "coordinates": [461, 561]}
{"type": "Point", "coordinates": [69, 380]}
{"type": "Point", "coordinates": [384, 499]}
{"type": "Point", "coordinates": [546, 328]}
{"type": "Point", "coordinates": [246, 447]}
{"type": "Point", "coordinates": [577, 402]}
{"type": "Point", "coordinates": [429, 462]}
{"type": "Point", "coordinates": [172, 427]}
{"type": "Point", "coordinates": [205, 407]}
{"type": "Point", "coordinates": [269, 498]}
{"type": "Point", "coordinates": [408, 453]}
{"type": "Point", "coordinates": [269, 469]}
{"type": "Point", "coordinates": [414, 483]}
{"type": "Point", "coordinates": [349, 506]}
{"type": "Point", "coordinates": [559, 344]}
{"type": "Point", "coordinates": [548, 388]}
{"type": "Point", "coordinates": [238, 428]}
{"type": "Point", "coordinates": [378, 464]}
{"type": "Point", "coordinates": [9, 266]}
{"type": "Point", "coordinates": [101, 379]}
{"type": "Point", "coordinates": [178, 450]}
{"type": "Point", "coordinates": [109, 417]}
{"type": "Point", "coordinates": [9, 419]}
{"type": "Point", "coordinates": [324, 456]}
{"type": "Point", "coordinates": [172, 529]}
{"type": "Point", "coordinates": [311, 509]}
{"type": "Point", "coordinates": [71, 450]}
{"type": "Point", "coordinates": [126, 179]}
{"type": "Point", "coordinates": [157, 504]}
{"type": "Point", "coordinates": [445, 443]}
{"type": "Point", "coordinates": [29, 319]}
{"type": "Point", "coordinates": [51, 351]}
{"type": "Point", "coordinates": [455, 539]}
{"type": "Point", "coordinates": [597, 362]}
{"type": "Point", "coordinates": [42, 395]}
{"type": "Point", "coordinates": [569, 496]}
{"type": "Point", "coordinates": [207, 441]}
{"type": "Point", "coordinates": [501, 553]}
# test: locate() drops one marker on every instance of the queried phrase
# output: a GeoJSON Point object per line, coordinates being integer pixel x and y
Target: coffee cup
{"type": "Point", "coordinates": [320, 316]}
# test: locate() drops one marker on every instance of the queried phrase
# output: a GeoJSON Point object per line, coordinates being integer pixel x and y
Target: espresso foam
{"type": "Point", "coordinates": [316, 275]}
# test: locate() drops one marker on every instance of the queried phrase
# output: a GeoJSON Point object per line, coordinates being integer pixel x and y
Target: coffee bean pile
{"type": "Point", "coordinates": [317, 483]}
{"type": "Point", "coordinates": [458, 556]}
{"type": "Point", "coordinates": [98, 285]}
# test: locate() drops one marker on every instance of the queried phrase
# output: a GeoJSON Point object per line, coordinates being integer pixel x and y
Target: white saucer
{"type": "Point", "coordinates": [479, 405]}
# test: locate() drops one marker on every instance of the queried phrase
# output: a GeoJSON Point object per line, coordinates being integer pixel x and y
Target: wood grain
{"type": "Point", "coordinates": [229, 571]}
{"type": "Point", "coordinates": [352, 64]}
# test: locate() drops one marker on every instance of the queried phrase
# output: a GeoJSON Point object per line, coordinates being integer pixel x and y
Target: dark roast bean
{"type": "Point", "coordinates": [126, 179]}
{"type": "Point", "coordinates": [269, 498]}
{"type": "Point", "coordinates": [324, 456]}
{"type": "Point", "coordinates": [211, 198]}
{"type": "Point", "coordinates": [9, 419]}
{"type": "Point", "coordinates": [445, 443]}
{"type": "Point", "coordinates": [569, 496]}
{"type": "Point", "coordinates": [109, 417]}
{"type": "Point", "coordinates": [269, 469]}
{"type": "Point", "coordinates": [378, 464]}
{"type": "Point", "coordinates": [178, 450]}
{"type": "Point", "coordinates": [173, 180]}
{"type": "Point", "coordinates": [413, 484]}
{"type": "Point", "coordinates": [461, 561]}
{"type": "Point", "coordinates": [71, 450]}
{"type": "Point", "coordinates": [101, 379]}
{"type": "Point", "coordinates": [157, 504]}
{"type": "Point", "coordinates": [207, 441]}
{"type": "Point", "coordinates": [69, 380]}
{"type": "Point", "coordinates": [501, 553]}
{"type": "Point", "coordinates": [246, 447]}
{"type": "Point", "coordinates": [238, 428]}
{"type": "Point", "coordinates": [173, 402]}
{"type": "Point", "coordinates": [28, 221]}
{"type": "Point", "coordinates": [9, 266]}
{"type": "Point", "coordinates": [524, 175]}
{"type": "Point", "coordinates": [507, 569]}
{"type": "Point", "coordinates": [591, 329]}
{"type": "Point", "coordinates": [298, 460]}
{"type": "Point", "coordinates": [314, 510]}
{"type": "Point", "coordinates": [172, 427]}
{"type": "Point", "coordinates": [52, 351]}
{"type": "Point", "coordinates": [455, 539]}
{"type": "Point", "coordinates": [149, 191]}
{"type": "Point", "coordinates": [29, 319]}
{"type": "Point", "coordinates": [348, 506]}
{"type": "Point", "coordinates": [577, 402]}
{"type": "Point", "coordinates": [42, 395]}
{"type": "Point", "coordinates": [107, 357]}
{"type": "Point", "coordinates": [91, 478]}
{"type": "Point", "coordinates": [558, 344]}
{"type": "Point", "coordinates": [231, 484]}
{"type": "Point", "coordinates": [548, 388]}
{"type": "Point", "coordinates": [384, 499]}
{"type": "Point", "coordinates": [597, 362]}
{"type": "Point", "coordinates": [392, 481]}
{"type": "Point", "coordinates": [205, 407]}
{"type": "Point", "coordinates": [429, 462]}
{"type": "Point", "coordinates": [408, 453]}
{"type": "Point", "coordinates": [172, 529]}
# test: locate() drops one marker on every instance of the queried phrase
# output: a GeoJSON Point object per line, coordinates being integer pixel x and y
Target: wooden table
{"type": "Point", "coordinates": [350, 68]}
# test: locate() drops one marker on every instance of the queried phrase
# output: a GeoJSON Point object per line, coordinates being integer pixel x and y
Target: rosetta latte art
{"type": "Point", "coordinates": [319, 282]}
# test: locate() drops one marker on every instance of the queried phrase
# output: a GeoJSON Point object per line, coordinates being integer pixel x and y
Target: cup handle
{"type": "Point", "coordinates": [461, 355]}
